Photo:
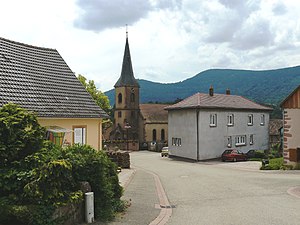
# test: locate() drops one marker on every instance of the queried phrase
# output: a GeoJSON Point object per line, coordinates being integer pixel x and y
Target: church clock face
{"type": "Point", "coordinates": [132, 90]}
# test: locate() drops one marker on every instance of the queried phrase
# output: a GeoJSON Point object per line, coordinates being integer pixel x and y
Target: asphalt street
{"type": "Point", "coordinates": [216, 193]}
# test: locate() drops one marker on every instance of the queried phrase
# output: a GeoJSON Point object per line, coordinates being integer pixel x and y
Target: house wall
{"type": "Point", "coordinates": [93, 129]}
{"type": "Point", "coordinates": [213, 139]}
{"type": "Point", "coordinates": [149, 127]}
{"type": "Point", "coordinates": [182, 126]}
{"type": "Point", "coordinates": [291, 132]}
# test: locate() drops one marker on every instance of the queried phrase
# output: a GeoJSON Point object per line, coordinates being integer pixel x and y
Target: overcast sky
{"type": "Point", "coordinates": [170, 40]}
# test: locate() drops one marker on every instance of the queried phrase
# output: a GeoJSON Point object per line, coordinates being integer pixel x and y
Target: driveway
{"type": "Point", "coordinates": [215, 193]}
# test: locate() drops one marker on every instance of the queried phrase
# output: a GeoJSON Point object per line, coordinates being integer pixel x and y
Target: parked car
{"type": "Point", "coordinates": [255, 154]}
{"type": "Point", "coordinates": [165, 152]}
{"type": "Point", "coordinates": [233, 155]}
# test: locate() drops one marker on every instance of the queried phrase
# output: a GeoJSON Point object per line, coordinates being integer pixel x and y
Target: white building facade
{"type": "Point", "coordinates": [202, 126]}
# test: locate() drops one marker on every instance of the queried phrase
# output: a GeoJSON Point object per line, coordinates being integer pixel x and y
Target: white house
{"type": "Point", "coordinates": [202, 126]}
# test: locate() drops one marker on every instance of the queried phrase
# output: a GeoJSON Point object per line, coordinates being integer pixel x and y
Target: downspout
{"type": "Point", "coordinates": [197, 133]}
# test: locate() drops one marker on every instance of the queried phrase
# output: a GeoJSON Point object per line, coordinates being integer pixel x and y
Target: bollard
{"type": "Point", "coordinates": [89, 207]}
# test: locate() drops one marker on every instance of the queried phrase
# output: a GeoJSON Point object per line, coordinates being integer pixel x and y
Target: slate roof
{"type": "Point", "coordinates": [154, 113]}
{"type": "Point", "coordinates": [39, 80]}
{"type": "Point", "coordinates": [217, 101]}
{"type": "Point", "coordinates": [127, 76]}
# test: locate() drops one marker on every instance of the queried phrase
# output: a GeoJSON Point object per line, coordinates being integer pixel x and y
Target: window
{"type": "Point", "coordinates": [176, 141]}
{"type": "Point", "coordinates": [120, 98]}
{"type": "Point", "coordinates": [240, 140]}
{"type": "Point", "coordinates": [230, 121]}
{"type": "Point", "coordinates": [132, 97]}
{"type": "Point", "coordinates": [251, 139]}
{"type": "Point", "coordinates": [250, 119]}
{"type": "Point", "coordinates": [79, 135]}
{"type": "Point", "coordinates": [119, 114]}
{"type": "Point", "coordinates": [154, 134]}
{"type": "Point", "coordinates": [262, 119]}
{"type": "Point", "coordinates": [213, 120]}
{"type": "Point", "coordinates": [162, 134]}
{"type": "Point", "coordinates": [229, 142]}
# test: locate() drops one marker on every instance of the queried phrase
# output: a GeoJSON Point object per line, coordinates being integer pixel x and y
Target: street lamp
{"type": "Point", "coordinates": [127, 127]}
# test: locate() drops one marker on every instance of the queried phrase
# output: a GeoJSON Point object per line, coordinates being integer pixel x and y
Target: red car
{"type": "Point", "coordinates": [233, 155]}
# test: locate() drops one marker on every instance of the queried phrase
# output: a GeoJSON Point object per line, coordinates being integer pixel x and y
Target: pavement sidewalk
{"type": "Point", "coordinates": [140, 192]}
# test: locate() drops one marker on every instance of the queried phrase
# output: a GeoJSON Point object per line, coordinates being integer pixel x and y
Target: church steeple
{"type": "Point", "coordinates": [127, 78]}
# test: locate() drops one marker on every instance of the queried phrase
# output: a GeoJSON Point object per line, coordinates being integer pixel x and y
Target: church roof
{"type": "Point", "coordinates": [38, 79]}
{"type": "Point", "coordinates": [154, 113]}
{"type": "Point", "coordinates": [127, 76]}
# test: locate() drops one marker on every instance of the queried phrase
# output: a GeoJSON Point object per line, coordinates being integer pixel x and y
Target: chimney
{"type": "Point", "coordinates": [227, 91]}
{"type": "Point", "coordinates": [211, 91]}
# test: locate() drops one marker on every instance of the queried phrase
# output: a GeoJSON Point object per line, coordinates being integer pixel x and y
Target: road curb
{"type": "Point", "coordinates": [164, 204]}
{"type": "Point", "coordinates": [294, 191]}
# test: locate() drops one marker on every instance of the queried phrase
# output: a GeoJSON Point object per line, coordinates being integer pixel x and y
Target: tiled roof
{"type": "Point", "coordinates": [39, 80]}
{"type": "Point", "coordinates": [217, 101]}
{"type": "Point", "coordinates": [154, 113]}
{"type": "Point", "coordinates": [127, 77]}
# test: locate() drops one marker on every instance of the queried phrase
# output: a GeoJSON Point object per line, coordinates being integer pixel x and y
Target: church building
{"type": "Point", "coordinates": [136, 125]}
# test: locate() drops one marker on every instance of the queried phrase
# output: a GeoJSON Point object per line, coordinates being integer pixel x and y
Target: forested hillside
{"type": "Point", "coordinates": [268, 86]}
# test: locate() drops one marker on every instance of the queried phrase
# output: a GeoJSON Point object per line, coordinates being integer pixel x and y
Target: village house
{"type": "Point", "coordinates": [135, 125]}
{"type": "Point", "coordinates": [202, 126]}
{"type": "Point", "coordinates": [291, 127]}
{"type": "Point", "coordinates": [39, 80]}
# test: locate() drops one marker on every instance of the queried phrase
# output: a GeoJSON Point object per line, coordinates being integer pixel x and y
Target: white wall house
{"type": "Point", "coordinates": [204, 125]}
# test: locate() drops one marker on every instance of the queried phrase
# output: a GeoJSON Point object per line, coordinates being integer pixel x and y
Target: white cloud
{"type": "Point", "coordinates": [170, 40]}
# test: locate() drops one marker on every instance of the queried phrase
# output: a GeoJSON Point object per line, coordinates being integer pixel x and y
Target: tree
{"type": "Point", "coordinates": [20, 134]}
{"type": "Point", "coordinates": [100, 98]}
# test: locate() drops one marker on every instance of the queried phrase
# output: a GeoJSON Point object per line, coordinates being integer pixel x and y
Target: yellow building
{"type": "Point", "coordinates": [39, 80]}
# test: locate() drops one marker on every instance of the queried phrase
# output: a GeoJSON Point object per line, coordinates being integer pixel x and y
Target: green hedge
{"type": "Point", "coordinates": [37, 176]}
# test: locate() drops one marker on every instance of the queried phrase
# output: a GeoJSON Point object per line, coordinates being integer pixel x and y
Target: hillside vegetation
{"type": "Point", "coordinates": [268, 86]}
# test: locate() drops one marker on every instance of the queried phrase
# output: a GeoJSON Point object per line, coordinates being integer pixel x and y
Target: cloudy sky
{"type": "Point", "coordinates": [170, 40]}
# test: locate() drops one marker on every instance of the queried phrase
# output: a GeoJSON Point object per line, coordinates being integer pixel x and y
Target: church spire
{"type": "Point", "coordinates": [127, 77]}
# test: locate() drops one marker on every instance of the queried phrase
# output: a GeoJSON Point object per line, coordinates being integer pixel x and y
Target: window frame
{"type": "Point", "coordinates": [230, 120]}
{"type": "Point", "coordinates": [250, 120]}
{"type": "Point", "coordinates": [240, 140]}
{"type": "Point", "coordinates": [84, 132]}
{"type": "Point", "coordinates": [262, 119]}
{"type": "Point", "coordinates": [213, 120]}
{"type": "Point", "coordinates": [251, 139]}
{"type": "Point", "coordinates": [229, 141]}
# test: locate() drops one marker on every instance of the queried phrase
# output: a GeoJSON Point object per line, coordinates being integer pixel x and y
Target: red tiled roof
{"type": "Point", "coordinates": [201, 100]}
{"type": "Point", "coordinates": [154, 113]}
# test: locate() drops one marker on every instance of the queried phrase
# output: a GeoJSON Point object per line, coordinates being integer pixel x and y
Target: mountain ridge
{"type": "Point", "coordinates": [263, 86]}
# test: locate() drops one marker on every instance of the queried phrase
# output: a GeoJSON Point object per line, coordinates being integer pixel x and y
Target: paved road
{"type": "Point", "coordinates": [220, 194]}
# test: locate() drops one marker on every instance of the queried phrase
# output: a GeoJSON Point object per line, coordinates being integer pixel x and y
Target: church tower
{"type": "Point", "coordinates": [127, 98]}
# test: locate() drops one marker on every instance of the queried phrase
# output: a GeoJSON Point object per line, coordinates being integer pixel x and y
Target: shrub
{"type": "Point", "coordinates": [20, 134]}
{"type": "Point", "coordinates": [37, 176]}
{"type": "Point", "coordinates": [274, 164]}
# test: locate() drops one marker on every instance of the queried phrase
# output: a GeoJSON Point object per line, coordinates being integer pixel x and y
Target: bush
{"type": "Point", "coordinates": [37, 176]}
{"type": "Point", "coordinates": [274, 164]}
{"type": "Point", "coordinates": [20, 134]}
